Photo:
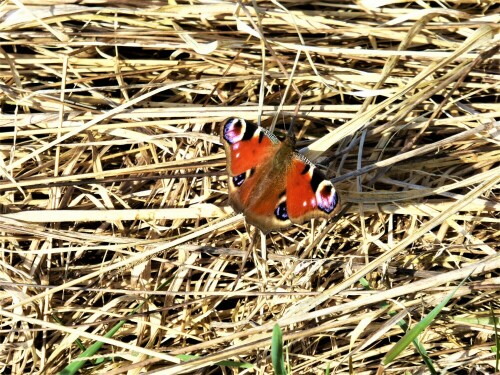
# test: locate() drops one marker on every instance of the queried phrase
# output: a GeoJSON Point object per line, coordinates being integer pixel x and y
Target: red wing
{"type": "Point", "coordinates": [308, 193]}
{"type": "Point", "coordinates": [247, 146]}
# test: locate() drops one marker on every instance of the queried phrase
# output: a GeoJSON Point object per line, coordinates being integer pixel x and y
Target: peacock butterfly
{"type": "Point", "coordinates": [270, 183]}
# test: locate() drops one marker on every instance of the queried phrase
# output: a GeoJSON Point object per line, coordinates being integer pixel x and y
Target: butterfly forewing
{"type": "Point", "coordinates": [247, 146]}
{"type": "Point", "coordinates": [308, 193]}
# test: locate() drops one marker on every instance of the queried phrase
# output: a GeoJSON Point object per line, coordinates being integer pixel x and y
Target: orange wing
{"type": "Point", "coordinates": [308, 193]}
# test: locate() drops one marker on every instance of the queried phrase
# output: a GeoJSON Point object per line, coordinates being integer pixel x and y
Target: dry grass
{"type": "Point", "coordinates": [114, 199]}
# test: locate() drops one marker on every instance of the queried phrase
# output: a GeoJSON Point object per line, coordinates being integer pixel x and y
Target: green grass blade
{"type": "Point", "coordinates": [412, 334]}
{"type": "Point", "coordinates": [497, 338]}
{"type": "Point", "coordinates": [277, 351]}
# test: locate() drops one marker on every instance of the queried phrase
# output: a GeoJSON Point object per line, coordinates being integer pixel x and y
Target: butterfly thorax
{"type": "Point", "coordinates": [283, 158]}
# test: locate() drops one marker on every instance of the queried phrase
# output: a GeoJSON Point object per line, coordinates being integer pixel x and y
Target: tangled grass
{"type": "Point", "coordinates": [119, 251]}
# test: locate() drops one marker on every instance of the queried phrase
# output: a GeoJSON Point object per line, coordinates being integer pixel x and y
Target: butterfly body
{"type": "Point", "coordinates": [270, 183]}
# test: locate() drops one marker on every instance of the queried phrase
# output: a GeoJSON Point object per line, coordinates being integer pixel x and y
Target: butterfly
{"type": "Point", "coordinates": [270, 183]}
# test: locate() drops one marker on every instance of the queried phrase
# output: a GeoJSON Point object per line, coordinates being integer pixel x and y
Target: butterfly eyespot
{"type": "Point", "coordinates": [326, 197]}
{"type": "Point", "coordinates": [240, 179]}
{"type": "Point", "coordinates": [234, 130]}
{"type": "Point", "coordinates": [281, 212]}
